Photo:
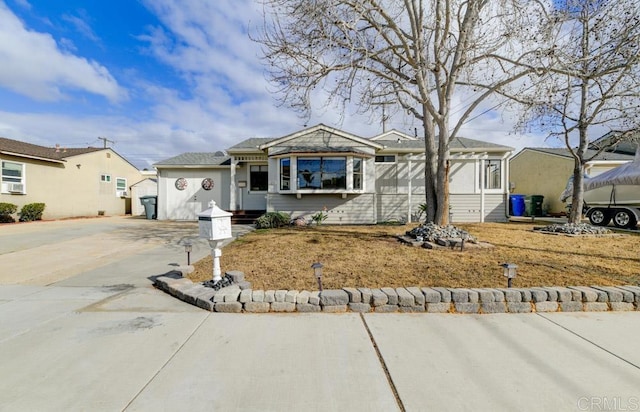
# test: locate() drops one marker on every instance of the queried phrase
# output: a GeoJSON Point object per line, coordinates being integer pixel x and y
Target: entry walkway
{"type": "Point", "coordinates": [97, 336]}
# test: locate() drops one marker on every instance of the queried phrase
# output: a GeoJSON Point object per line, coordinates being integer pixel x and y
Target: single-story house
{"type": "Point", "coordinates": [146, 187]}
{"type": "Point", "coordinates": [545, 171]}
{"type": "Point", "coordinates": [70, 182]}
{"type": "Point", "coordinates": [354, 179]}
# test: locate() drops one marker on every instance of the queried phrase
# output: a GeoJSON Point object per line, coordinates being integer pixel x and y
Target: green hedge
{"type": "Point", "coordinates": [6, 210]}
{"type": "Point", "coordinates": [272, 220]}
{"type": "Point", "coordinates": [31, 212]}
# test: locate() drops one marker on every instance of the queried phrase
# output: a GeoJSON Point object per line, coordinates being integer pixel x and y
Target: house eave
{"type": "Point", "coordinates": [26, 156]}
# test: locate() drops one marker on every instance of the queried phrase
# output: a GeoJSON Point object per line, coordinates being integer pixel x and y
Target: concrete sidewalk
{"type": "Point", "coordinates": [103, 339]}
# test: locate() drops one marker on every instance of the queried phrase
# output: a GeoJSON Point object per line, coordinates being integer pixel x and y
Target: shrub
{"type": "Point", "coordinates": [319, 218]}
{"type": "Point", "coordinates": [6, 210]}
{"type": "Point", "coordinates": [31, 212]}
{"type": "Point", "coordinates": [273, 220]}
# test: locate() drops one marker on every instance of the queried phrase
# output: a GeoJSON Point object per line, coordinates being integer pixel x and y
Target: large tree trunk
{"type": "Point", "coordinates": [430, 168]}
{"type": "Point", "coordinates": [575, 216]}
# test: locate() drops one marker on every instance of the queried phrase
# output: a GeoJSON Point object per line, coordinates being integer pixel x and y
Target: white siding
{"type": "Point", "coordinates": [467, 208]}
{"type": "Point", "coordinates": [355, 209]}
{"type": "Point", "coordinates": [174, 204]}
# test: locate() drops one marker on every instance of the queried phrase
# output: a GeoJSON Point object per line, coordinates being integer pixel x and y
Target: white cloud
{"type": "Point", "coordinates": [34, 65]}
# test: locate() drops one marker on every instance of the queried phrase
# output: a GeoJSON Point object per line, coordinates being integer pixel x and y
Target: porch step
{"type": "Point", "coordinates": [246, 217]}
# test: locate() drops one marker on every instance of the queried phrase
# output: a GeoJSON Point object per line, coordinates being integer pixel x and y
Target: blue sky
{"type": "Point", "coordinates": [156, 77]}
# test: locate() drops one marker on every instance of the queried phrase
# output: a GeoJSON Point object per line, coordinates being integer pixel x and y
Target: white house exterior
{"type": "Point", "coordinates": [354, 179]}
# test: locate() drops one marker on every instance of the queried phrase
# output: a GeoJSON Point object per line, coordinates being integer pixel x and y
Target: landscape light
{"type": "Point", "coordinates": [317, 272]}
{"type": "Point", "coordinates": [509, 271]}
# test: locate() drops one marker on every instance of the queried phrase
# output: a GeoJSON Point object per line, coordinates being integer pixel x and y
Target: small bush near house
{"type": "Point", "coordinates": [272, 220]}
{"type": "Point", "coordinates": [31, 212]}
{"type": "Point", "coordinates": [6, 210]}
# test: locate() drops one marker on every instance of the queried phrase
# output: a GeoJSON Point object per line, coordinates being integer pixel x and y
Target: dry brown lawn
{"type": "Point", "coordinates": [371, 256]}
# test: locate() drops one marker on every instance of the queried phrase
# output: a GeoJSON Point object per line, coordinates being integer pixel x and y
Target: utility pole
{"type": "Point", "coordinates": [105, 140]}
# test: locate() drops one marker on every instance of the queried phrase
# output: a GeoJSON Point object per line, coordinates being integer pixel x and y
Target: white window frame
{"type": "Point", "coordinates": [121, 192]}
{"type": "Point", "coordinates": [293, 171]}
{"type": "Point", "coordinates": [105, 178]}
{"type": "Point", "coordinates": [251, 190]}
{"type": "Point", "coordinates": [7, 185]}
{"type": "Point", "coordinates": [482, 176]}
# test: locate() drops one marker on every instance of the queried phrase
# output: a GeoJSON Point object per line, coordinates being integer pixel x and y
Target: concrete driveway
{"type": "Point", "coordinates": [81, 328]}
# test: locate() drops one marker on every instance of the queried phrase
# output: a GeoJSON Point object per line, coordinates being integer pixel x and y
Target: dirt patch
{"type": "Point", "coordinates": [372, 256]}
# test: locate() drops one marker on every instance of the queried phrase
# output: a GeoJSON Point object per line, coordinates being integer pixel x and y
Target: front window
{"type": "Point", "coordinates": [357, 173]}
{"type": "Point", "coordinates": [322, 173]}
{"type": "Point", "coordinates": [285, 174]}
{"type": "Point", "coordinates": [492, 174]}
{"type": "Point", "coordinates": [258, 177]}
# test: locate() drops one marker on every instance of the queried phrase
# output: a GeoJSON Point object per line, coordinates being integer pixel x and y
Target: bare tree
{"type": "Point", "coordinates": [588, 80]}
{"type": "Point", "coordinates": [420, 55]}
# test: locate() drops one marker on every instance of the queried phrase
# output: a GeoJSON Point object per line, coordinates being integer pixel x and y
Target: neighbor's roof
{"type": "Point", "coordinates": [18, 148]}
{"type": "Point", "coordinates": [564, 152]}
{"type": "Point", "coordinates": [195, 159]}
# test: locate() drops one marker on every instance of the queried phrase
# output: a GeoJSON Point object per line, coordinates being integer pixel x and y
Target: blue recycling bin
{"type": "Point", "coordinates": [517, 205]}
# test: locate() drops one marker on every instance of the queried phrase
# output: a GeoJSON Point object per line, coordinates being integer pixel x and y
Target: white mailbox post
{"type": "Point", "coordinates": [215, 226]}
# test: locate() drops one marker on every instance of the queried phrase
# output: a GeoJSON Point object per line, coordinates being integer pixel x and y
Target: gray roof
{"type": "Point", "coordinates": [195, 159]}
{"type": "Point", "coordinates": [316, 149]}
{"type": "Point", "coordinates": [457, 143]}
{"type": "Point", "coordinates": [564, 152]}
{"type": "Point", "coordinates": [252, 143]}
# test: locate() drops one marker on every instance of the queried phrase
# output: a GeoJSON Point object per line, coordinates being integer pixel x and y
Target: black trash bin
{"type": "Point", "coordinates": [150, 204]}
{"type": "Point", "coordinates": [533, 205]}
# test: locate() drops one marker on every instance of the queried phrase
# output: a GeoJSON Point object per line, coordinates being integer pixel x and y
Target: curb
{"type": "Point", "coordinates": [240, 298]}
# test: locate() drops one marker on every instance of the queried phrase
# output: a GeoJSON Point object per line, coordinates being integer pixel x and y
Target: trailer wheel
{"type": "Point", "coordinates": [623, 218]}
{"type": "Point", "coordinates": [599, 217]}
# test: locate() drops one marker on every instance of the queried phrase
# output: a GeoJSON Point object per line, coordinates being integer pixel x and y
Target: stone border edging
{"type": "Point", "coordinates": [239, 297]}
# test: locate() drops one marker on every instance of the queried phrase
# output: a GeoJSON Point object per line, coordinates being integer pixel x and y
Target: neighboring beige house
{"type": "Point", "coordinates": [355, 180]}
{"type": "Point", "coordinates": [70, 182]}
{"type": "Point", "coordinates": [545, 171]}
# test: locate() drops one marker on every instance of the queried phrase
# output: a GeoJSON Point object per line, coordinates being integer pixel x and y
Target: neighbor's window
{"type": "Point", "coordinates": [12, 172]}
{"type": "Point", "coordinates": [258, 177]}
{"type": "Point", "coordinates": [322, 173]}
{"type": "Point", "coordinates": [105, 178]}
{"type": "Point", "coordinates": [357, 173]}
{"type": "Point", "coordinates": [492, 174]}
{"type": "Point", "coordinates": [386, 159]}
{"type": "Point", "coordinates": [121, 184]}
{"type": "Point", "coordinates": [285, 174]}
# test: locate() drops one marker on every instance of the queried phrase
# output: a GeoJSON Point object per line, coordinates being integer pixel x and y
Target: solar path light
{"type": "Point", "coordinates": [188, 247]}
{"type": "Point", "coordinates": [317, 271]}
{"type": "Point", "coordinates": [215, 226]}
{"type": "Point", "coordinates": [509, 271]}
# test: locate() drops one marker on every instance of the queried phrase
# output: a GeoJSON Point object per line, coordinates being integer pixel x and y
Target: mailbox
{"type": "Point", "coordinates": [214, 223]}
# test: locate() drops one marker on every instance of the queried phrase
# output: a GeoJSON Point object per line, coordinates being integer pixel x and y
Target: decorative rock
{"type": "Point", "coordinates": [519, 307]}
{"type": "Point", "coordinates": [498, 295]}
{"type": "Point", "coordinates": [314, 298]}
{"type": "Point", "coordinates": [334, 308]}
{"type": "Point", "coordinates": [596, 307]}
{"type": "Point", "coordinates": [354, 295]}
{"type": "Point", "coordinates": [417, 295]}
{"type": "Point", "coordinates": [431, 295]}
{"type": "Point", "coordinates": [204, 301]}
{"type": "Point", "coordinates": [445, 294]}
{"type": "Point", "coordinates": [307, 307]}
{"type": "Point", "coordinates": [474, 297]}
{"type": "Point", "coordinates": [228, 307]}
{"type": "Point", "coordinates": [622, 306]}
{"type": "Point", "coordinates": [412, 309]}
{"type": "Point", "coordinates": [588, 294]}
{"type": "Point", "coordinates": [466, 307]}
{"type": "Point", "coordinates": [280, 295]}
{"type": "Point", "coordinates": [386, 308]}
{"type": "Point", "coordinates": [218, 297]}
{"type": "Point", "coordinates": [627, 296]}
{"type": "Point", "coordinates": [439, 307]}
{"type": "Point", "coordinates": [257, 307]}
{"type": "Point", "coordinates": [552, 295]}
{"type": "Point", "coordinates": [360, 307]}
{"type": "Point", "coordinates": [391, 294]}
{"type": "Point", "coordinates": [366, 295]}
{"type": "Point", "coordinates": [246, 296]}
{"type": "Point", "coordinates": [405, 298]}
{"type": "Point", "coordinates": [244, 285]}
{"type": "Point", "coordinates": [283, 307]}
{"type": "Point", "coordinates": [236, 275]}
{"type": "Point", "coordinates": [303, 297]}
{"type": "Point", "coordinates": [547, 306]}
{"type": "Point", "coordinates": [526, 295]}
{"type": "Point", "coordinates": [379, 298]}
{"type": "Point", "coordinates": [636, 293]}
{"type": "Point", "coordinates": [270, 296]}
{"type": "Point", "coordinates": [291, 296]}
{"type": "Point", "coordinates": [459, 295]}
{"type": "Point", "coordinates": [257, 296]}
{"type": "Point", "coordinates": [571, 306]}
{"type": "Point", "coordinates": [493, 307]}
{"type": "Point", "coordinates": [334, 297]}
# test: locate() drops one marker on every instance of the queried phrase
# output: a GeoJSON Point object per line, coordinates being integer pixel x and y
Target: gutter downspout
{"type": "Point", "coordinates": [410, 187]}
{"type": "Point", "coordinates": [482, 173]}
